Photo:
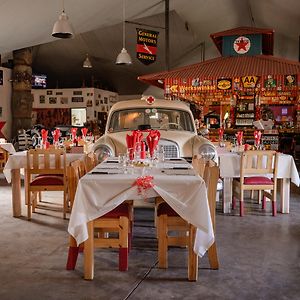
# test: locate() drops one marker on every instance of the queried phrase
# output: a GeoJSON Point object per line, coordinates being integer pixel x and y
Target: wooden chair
{"type": "Point", "coordinates": [116, 224]}
{"type": "Point", "coordinates": [3, 158]}
{"type": "Point", "coordinates": [90, 161]}
{"type": "Point", "coordinates": [76, 170]}
{"type": "Point", "coordinates": [45, 171]}
{"type": "Point", "coordinates": [258, 171]}
{"type": "Point", "coordinates": [113, 230]}
{"type": "Point", "coordinates": [170, 221]}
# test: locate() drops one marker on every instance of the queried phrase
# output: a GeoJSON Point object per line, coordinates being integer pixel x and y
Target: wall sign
{"type": "Point", "coordinates": [249, 81]}
{"type": "Point", "coordinates": [290, 80]}
{"type": "Point", "coordinates": [224, 84]}
{"type": "Point", "coordinates": [146, 46]}
{"type": "Point", "coordinates": [241, 45]}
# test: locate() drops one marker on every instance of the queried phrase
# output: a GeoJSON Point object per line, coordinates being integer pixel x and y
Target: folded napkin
{"type": "Point", "coordinates": [74, 132]}
{"type": "Point", "coordinates": [239, 137]}
{"type": "Point", "coordinates": [56, 135]}
{"type": "Point", "coordinates": [84, 131]}
{"type": "Point", "coordinates": [44, 134]}
{"type": "Point", "coordinates": [257, 137]}
{"type": "Point", "coordinates": [152, 140]}
{"type": "Point", "coordinates": [221, 133]}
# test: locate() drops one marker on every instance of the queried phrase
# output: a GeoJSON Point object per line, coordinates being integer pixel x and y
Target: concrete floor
{"type": "Point", "coordinates": [259, 259]}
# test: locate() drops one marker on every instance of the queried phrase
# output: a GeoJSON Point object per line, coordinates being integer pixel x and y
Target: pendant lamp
{"type": "Point", "coordinates": [62, 29]}
{"type": "Point", "coordinates": [87, 63]}
{"type": "Point", "coordinates": [123, 57]}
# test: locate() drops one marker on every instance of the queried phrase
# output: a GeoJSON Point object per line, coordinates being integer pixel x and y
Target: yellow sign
{"type": "Point", "coordinates": [224, 84]}
{"type": "Point", "coordinates": [249, 81]}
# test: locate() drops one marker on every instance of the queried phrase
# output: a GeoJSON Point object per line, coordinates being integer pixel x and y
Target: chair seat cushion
{"type": "Point", "coordinates": [258, 180]}
{"type": "Point", "coordinates": [48, 180]}
{"type": "Point", "coordinates": [165, 209]}
{"type": "Point", "coordinates": [121, 210]}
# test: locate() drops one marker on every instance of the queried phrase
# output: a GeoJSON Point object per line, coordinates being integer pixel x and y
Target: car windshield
{"type": "Point", "coordinates": [154, 118]}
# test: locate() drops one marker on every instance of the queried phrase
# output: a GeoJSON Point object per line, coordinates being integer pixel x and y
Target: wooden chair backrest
{"type": "Point", "coordinates": [259, 162]}
{"type": "Point", "coordinates": [46, 161]}
{"type": "Point", "coordinates": [76, 171]}
{"type": "Point", "coordinates": [199, 164]}
{"type": "Point", "coordinates": [209, 171]}
{"type": "Point", "coordinates": [90, 161]}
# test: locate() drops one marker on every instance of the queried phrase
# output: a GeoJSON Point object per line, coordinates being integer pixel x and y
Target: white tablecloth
{"type": "Point", "coordinates": [18, 160]}
{"type": "Point", "coordinates": [9, 147]}
{"type": "Point", "coordinates": [98, 194]}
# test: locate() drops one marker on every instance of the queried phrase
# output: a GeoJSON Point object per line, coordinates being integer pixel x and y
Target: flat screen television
{"type": "Point", "coordinates": [39, 81]}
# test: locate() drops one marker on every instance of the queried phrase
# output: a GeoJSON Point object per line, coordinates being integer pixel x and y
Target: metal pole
{"type": "Point", "coordinates": [167, 38]}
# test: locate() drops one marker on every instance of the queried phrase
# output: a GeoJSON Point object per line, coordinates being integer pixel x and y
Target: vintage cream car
{"type": "Point", "coordinates": [173, 119]}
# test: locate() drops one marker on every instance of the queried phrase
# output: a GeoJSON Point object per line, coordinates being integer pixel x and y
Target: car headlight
{"type": "Point", "coordinates": [103, 152]}
{"type": "Point", "coordinates": [207, 151]}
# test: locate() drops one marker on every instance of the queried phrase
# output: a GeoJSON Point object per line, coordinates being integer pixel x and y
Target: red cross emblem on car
{"type": "Point", "coordinates": [150, 100]}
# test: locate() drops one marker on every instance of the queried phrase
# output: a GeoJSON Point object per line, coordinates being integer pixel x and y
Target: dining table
{"type": "Point", "coordinates": [9, 147]}
{"type": "Point", "coordinates": [16, 166]}
{"type": "Point", "coordinates": [109, 184]}
{"type": "Point", "coordinates": [229, 162]}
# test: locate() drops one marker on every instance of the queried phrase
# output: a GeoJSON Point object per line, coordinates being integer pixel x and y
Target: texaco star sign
{"type": "Point", "coordinates": [241, 45]}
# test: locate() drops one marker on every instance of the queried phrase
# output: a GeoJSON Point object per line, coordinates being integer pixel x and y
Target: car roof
{"type": "Point", "coordinates": [138, 103]}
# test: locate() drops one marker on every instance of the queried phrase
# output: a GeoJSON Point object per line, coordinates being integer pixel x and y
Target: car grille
{"type": "Point", "coordinates": [170, 148]}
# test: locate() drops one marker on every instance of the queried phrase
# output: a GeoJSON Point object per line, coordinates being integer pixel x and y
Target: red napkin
{"type": "Point", "coordinates": [152, 140]}
{"type": "Point", "coordinates": [239, 136]}
{"type": "Point", "coordinates": [221, 133]}
{"type": "Point", "coordinates": [130, 142]}
{"type": "Point", "coordinates": [74, 132]}
{"type": "Point", "coordinates": [56, 135]}
{"type": "Point", "coordinates": [44, 134]}
{"type": "Point", "coordinates": [257, 137]}
{"type": "Point", "coordinates": [84, 131]}
{"type": "Point", "coordinates": [143, 150]}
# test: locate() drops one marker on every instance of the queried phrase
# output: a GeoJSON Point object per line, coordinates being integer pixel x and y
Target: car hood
{"type": "Point", "coordinates": [185, 141]}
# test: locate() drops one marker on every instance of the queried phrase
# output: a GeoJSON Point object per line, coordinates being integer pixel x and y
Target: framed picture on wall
{"type": "Point", "coordinates": [59, 93]}
{"type": "Point", "coordinates": [77, 93]}
{"type": "Point", "coordinates": [0, 112]}
{"type": "Point", "coordinates": [105, 100]}
{"type": "Point", "coordinates": [42, 99]}
{"type": "Point", "coordinates": [77, 99]}
{"type": "Point", "coordinates": [64, 100]}
{"type": "Point", "coordinates": [97, 102]}
{"type": "Point", "coordinates": [89, 103]}
{"type": "Point", "coordinates": [1, 77]}
{"type": "Point", "coordinates": [49, 92]}
{"type": "Point", "coordinates": [52, 100]}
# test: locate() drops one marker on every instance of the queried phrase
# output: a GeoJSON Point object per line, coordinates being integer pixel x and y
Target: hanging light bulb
{"type": "Point", "coordinates": [62, 28]}
{"type": "Point", "coordinates": [123, 57]}
{"type": "Point", "coordinates": [87, 63]}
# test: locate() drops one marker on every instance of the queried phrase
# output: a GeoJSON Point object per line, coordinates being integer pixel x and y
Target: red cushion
{"type": "Point", "coordinates": [165, 209]}
{"type": "Point", "coordinates": [257, 180]}
{"type": "Point", "coordinates": [48, 180]}
{"type": "Point", "coordinates": [121, 210]}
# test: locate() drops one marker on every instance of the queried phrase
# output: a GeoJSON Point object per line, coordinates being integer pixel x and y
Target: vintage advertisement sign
{"type": "Point", "coordinates": [290, 80]}
{"type": "Point", "coordinates": [224, 84]}
{"type": "Point", "coordinates": [249, 81]}
{"type": "Point", "coordinates": [146, 46]}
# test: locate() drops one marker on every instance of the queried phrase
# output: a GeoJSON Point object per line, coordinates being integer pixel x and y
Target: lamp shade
{"type": "Point", "coordinates": [62, 28]}
{"type": "Point", "coordinates": [87, 63]}
{"type": "Point", "coordinates": [123, 58]}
